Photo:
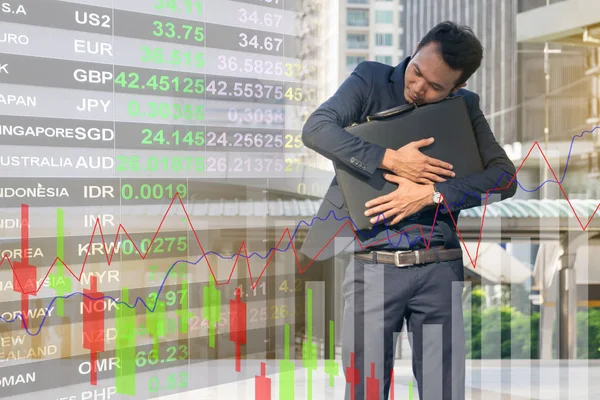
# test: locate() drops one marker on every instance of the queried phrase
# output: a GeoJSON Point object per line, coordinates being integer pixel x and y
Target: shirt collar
{"type": "Point", "coordinates": [397, 81]}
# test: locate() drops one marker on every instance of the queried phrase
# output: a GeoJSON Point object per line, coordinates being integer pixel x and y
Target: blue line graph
{"type": "Point", "coordinates": [153, 308]}
{"type": "Point", "coordinates": [542, 184]}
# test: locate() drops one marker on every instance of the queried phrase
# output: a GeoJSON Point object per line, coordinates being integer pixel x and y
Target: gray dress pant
{"type": "Point", "coordinates": [377, 300]}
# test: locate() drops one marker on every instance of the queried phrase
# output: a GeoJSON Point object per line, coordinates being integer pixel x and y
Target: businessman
{"type": "Point", "coordinates": [408, 269]}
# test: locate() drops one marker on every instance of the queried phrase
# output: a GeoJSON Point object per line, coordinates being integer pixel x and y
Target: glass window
{"type": "Point", "coordinates": [384, 17]}
{"type": "Point", "coordinates": [357, 41]}
{"type": "Point", "coordinates": [383, 39]}
{"type": "Point", "coordinates": [353, 61]}
{"type": "Point", "coordinates": [384, 59]}
{"type": "Point", "coordinates": [357, 18]}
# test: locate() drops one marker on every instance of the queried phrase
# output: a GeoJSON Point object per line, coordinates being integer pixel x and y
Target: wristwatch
{"type": "Point", "coordinates": [437, 196]}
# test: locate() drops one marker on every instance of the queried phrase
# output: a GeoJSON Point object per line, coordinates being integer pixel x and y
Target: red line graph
{"type": "Point", "coordinates": [286, 233]}
{"type": "Point", "coordinates": [26, 270]}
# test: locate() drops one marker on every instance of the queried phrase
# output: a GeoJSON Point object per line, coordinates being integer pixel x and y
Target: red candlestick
{"type": "Point", "coordinates": [93, 325]}
{"type": "Point", "coordinates": [262, 384]}
{"type": "Point", "coordinates": [237, 323]}
{"type": "Point", "coordinates": [372, 385]}
{"type": "Point", "coordinates": [352, 377]}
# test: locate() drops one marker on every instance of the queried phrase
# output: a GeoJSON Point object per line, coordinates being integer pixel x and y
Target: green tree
{"type": "Point", "coordinates": [518, 333]}
{"type": "Point", "coordinates": [502, 325]}
{"type": "Point", "coordinates": [590, 319]}
{"type": "Point", "coordinates": [473, 330]}
{"type": "Point", "coordinates": [525, 332]}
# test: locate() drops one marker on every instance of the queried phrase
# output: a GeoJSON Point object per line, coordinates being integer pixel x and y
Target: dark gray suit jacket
{"type": "Point", "coordinates": [374, 87]}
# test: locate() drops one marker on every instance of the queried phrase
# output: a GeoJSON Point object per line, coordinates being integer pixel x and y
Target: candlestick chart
{"type": "Point", "coordinates": [133, 107]}
{"type": "Point", "coordinates": [154, 190]}
{"type": "Point", "coordinates": [166, 311]}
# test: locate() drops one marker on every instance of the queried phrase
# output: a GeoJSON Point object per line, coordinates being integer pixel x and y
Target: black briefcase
{"type": "Point", "coordinates": [447, 121]}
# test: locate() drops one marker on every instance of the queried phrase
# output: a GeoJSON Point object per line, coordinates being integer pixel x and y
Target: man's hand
{"type": "Point", "coordinates": [410, 163]}
{"type": "Point", "coordinates": [408, 199]}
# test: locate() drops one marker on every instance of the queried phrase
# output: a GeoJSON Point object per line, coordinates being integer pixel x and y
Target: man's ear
{"type": "Point", "coordinates": [456, 89]}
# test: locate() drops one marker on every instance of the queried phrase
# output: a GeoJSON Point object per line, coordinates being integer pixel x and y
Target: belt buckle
{"type": "Point", "coordinates": [397, 259]}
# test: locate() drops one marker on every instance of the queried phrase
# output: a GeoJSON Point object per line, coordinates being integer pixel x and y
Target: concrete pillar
{"type": "Point", "coordinates": [567, 291]}
{"type": "Point", "coordinates": [547, 257]}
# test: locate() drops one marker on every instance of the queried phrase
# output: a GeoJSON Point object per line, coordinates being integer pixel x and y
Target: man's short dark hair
{"type": "Point", "coordinates": [459, 47]}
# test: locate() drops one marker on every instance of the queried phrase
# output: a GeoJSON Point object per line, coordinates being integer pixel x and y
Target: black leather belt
{"type": "Point", "coordinates": [405, 258]}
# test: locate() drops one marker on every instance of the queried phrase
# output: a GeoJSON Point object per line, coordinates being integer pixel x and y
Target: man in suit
{"type": "Point", "coordinates": [398, 272]}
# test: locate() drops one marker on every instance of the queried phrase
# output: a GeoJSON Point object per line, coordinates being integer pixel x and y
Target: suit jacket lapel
{"type": "Point", "coordinates": [397, 82]}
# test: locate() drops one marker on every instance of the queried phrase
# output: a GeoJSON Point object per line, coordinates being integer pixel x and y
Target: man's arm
{"type": "Point", "coordinates": [499, 170]}
{"type": "Point", "coordinates": [324, 130]}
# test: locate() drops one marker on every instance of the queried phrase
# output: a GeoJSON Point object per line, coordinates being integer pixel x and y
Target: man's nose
{"type": "Point", "coordinates": [420, 87]}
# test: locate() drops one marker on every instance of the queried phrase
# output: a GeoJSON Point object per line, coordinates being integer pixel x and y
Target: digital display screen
{"type": "Point", "coordinates": [151, 170]}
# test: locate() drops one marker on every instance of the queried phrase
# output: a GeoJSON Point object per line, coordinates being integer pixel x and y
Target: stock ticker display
{"type": "Point", "coordinates": [133, 135]}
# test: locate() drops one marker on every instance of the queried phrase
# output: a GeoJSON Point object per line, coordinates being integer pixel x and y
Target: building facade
{"type": "Point", "coordinates": [560, 65]}
{"type": "Point", "coordinates": [369, 30]}
{"type": "Point", "coordinates": [493, 21]}
{"type": "Point", "coordinates": [559, 72]}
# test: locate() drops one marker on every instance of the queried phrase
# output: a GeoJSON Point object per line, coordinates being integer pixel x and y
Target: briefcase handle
{"type": "Point", "coordinates": [392, 112]}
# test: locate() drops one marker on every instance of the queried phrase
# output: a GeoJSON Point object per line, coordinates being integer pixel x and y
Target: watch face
{"type": "Point", "coordinates": [436, 197]}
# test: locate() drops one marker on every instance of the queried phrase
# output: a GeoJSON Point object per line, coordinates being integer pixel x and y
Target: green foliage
{"type": "Point", "coordinates": [589, 318]}
{"type": "Point", "coordinates": [508, 333]}
{"type": "Point", "coordinates": [477, 298]}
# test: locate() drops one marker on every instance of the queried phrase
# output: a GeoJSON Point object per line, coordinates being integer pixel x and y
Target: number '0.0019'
{"type": "Point", "coordinates": [156, 191]}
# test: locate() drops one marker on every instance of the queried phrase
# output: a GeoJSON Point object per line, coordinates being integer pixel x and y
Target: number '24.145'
{"type": "Point", "coordinates": [191, 138]}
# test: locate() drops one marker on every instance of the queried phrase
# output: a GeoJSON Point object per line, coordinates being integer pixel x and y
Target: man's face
{"type": "Point", "coordinates": [428, 78]}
